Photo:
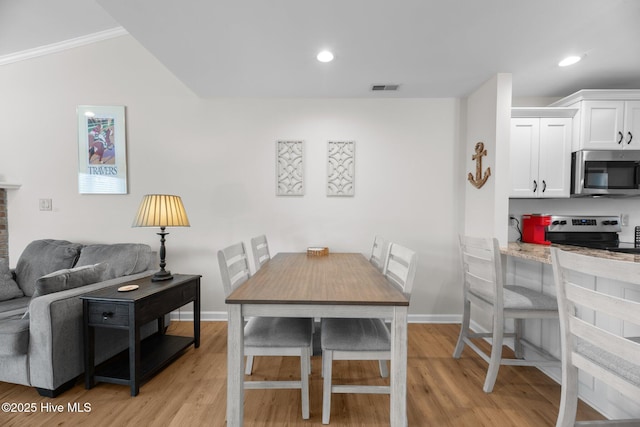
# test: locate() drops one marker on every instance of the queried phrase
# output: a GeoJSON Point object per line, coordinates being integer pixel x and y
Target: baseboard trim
{"type": "Point", "coordinates": [434, 318]}
{"type": "Point", "coordinates": [221, 316]}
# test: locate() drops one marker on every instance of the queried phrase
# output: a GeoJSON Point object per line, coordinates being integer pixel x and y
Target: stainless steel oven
{"type": "Point", "coordinates": [590, 231]}
{"type": "Point", "coordinates": [605, 173]}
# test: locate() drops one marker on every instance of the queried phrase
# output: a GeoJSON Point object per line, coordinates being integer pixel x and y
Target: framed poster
{"type": "Point", "coordinates": [102, 150]}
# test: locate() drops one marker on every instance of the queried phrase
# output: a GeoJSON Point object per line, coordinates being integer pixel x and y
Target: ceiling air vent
{"type": "Point", "coordinates": [384, 87]}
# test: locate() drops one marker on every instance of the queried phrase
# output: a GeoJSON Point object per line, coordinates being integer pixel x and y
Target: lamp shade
{"type": "Point", "coordinates": [161, 210]}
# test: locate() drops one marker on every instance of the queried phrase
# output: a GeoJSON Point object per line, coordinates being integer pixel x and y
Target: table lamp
{"type": "Point", "coordinates": [161, 210]}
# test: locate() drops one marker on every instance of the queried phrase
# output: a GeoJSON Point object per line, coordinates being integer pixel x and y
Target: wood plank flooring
{"type": "Point", "coordinates": [442, 391]}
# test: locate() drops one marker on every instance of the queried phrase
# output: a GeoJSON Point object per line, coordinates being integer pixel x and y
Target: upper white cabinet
{"type": "Point", "coordinates": [610, 125]}
{"type": "Point", "coordinates": [607, 120]}
{"type": "Point", "coordinates": [540, 152]}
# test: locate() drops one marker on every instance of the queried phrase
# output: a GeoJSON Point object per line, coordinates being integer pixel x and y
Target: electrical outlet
{"type": "Point", "coordinates": [45, 204]}
{"type": "Point", "coordinates": [512, 221]}
{"type": "Point", "coordinates": [624, 219]}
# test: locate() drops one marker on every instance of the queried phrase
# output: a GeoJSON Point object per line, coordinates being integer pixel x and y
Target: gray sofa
{"type": "Point", "coordinates": [41, 342]}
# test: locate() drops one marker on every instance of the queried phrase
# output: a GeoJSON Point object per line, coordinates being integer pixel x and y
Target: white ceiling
{"type": "Point", "coordinates": [431, 48]}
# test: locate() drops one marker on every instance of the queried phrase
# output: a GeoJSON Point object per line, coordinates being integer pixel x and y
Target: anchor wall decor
{"type": "Point", "coordinates": [479, 180]}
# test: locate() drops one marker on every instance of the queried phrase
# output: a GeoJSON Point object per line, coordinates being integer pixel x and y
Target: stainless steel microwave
{"type": "Point", "coordinates": [605, 173]}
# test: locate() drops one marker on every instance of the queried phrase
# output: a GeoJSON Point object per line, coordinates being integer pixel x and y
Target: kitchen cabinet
{"type": "Point", "coordinates": [607, 120]}
{"type": "Point", "coordinates": [540, 155]}
{"type": "Point", "coordinates": [610, 125]}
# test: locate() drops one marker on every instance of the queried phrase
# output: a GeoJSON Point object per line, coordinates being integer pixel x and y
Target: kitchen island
{"type": "Point", "coordinates": [529, 265]}
{"type": "Point", "coordinates": [542, 253]}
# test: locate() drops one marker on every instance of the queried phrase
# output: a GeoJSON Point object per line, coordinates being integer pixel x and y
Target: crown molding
{"type": "Point", "coordinates": [598, 95]}
{"type": "Point", "coordinates": [63, 45]}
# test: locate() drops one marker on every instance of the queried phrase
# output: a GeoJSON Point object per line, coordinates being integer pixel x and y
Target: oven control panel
{"type": "Point", "coordinates": [588, 222]}
{"type": "Point", "coordinates": [595, 223]}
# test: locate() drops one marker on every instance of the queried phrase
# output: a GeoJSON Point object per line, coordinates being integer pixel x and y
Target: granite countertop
{"type": "Point", "coordinates": [541, 253]}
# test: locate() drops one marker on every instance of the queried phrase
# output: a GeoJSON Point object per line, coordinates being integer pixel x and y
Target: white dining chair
{"type": "Point", "coordinates": [483, 286]}
{"type": "Point", "coordinates": [364, 339]}
{"type": "Point", "coordinates": [378, 258]}
{"type": "Point", "coordinates": [260, 249]}
{"type": "Point", "coordinates": [379, 252]}
{"type": "Point", "coordinates": [594, 347]}
{"type": "Point", "coordinates": [269, 336]}
{"type": "Point", "coordinates": [261, 254]}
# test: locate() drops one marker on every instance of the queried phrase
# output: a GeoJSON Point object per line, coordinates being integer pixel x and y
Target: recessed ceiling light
{"type": "Point", "coordinates": [569, 60]}
{"type": "Point", "coordinates": [325, 56]}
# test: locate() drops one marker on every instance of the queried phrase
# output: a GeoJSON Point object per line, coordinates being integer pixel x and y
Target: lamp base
{"type": "Point", "coordinates": [162, 275]}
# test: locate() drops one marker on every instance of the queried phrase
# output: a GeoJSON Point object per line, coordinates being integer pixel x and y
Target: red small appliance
{"type": "Point", "coordinates": [534, 228]}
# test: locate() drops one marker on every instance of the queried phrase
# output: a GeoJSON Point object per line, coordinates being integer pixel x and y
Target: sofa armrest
{"type": "Point", "coordinates": [56, 352]}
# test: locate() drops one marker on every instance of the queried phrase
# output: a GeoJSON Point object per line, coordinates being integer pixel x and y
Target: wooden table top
{"type": "Point", "coordinates": [145, 289]}
{"type": "Point", "coordinates": [335, 279]}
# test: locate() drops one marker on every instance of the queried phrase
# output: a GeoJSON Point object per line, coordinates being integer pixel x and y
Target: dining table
{"type": "Point", "coordinates": [340, 285]}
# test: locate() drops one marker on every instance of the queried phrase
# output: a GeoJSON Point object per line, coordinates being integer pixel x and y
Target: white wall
{"type": "Point", "coordinates": [533, 101]}
{"type": "Point", "coordinates": [488, 119]}
{"type": "Point", "coordinates": [219, 156]}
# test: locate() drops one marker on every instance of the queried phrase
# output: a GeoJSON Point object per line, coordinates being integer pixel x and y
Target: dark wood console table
{"type": "Point", "coordinates": [109, 308]}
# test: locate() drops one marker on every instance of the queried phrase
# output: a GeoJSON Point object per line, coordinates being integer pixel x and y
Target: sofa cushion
{"type": "Point", "coordinates": [9, 289]}
{"type": "Point", "coordinates": [14, 337]}
{"type": "Point", "coordinates": [122, 259]}
{"type": "Point", "coordinates": [42, 257]}
{"type": "Point", "coordinates": [14, 308]}
{"type": "Point", "coordinates": [62, 280]}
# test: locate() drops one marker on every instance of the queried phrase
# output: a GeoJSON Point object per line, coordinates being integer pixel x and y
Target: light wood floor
{"type": "Point", "coordinates": [192, 391]}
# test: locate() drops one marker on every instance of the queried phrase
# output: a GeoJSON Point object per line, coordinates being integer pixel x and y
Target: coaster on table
{"type": "Point", "coordinates": [128, 288]}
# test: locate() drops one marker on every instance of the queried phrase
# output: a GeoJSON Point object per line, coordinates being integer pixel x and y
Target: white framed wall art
{"type": "Point", "coordinates": [341, 168]}
{"type": "Point", "coordinates": [290, 168]}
